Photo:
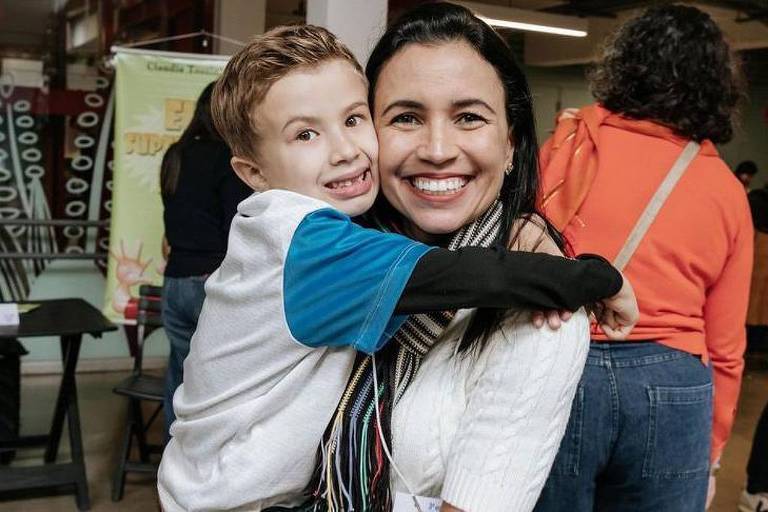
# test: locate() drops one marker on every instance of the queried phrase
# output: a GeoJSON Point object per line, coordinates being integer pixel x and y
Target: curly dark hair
{"type": "Point", "coordinates": [671, 65]}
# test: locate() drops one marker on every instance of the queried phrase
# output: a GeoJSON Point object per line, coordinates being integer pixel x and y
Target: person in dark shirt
{"type": "Point", "coordinates": [758, 204]}
{"type": "Point", "coordinates": [755, 495]}
{"type": "Point", "coordinates": [757, 316]}
{"type": "Point", "coordinates": [200, 196]}
{"type": "Point", "coordinates": [745, 172]}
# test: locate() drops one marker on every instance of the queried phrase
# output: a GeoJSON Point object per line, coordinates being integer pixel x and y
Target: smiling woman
{"type": "Point", "coordinates": [476, 401]}
{"type": "Point", "coordinates": [443, 147]}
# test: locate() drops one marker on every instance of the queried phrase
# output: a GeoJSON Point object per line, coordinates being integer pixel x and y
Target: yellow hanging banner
{"type": "Point", "coordinates": [154, 100]}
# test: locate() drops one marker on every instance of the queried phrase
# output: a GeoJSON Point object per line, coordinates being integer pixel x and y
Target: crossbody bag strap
{"type": "Point", "coordinates": [654, 206]}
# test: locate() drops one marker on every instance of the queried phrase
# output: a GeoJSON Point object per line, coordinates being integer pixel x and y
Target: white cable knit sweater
{"type": "Point", "coordinates": [482, 431]}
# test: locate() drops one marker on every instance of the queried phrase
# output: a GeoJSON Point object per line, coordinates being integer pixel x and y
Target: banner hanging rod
{"type": "Point", "coordinates": [189, 35]}
{"type": "Point", "coordinates": [136, 47]}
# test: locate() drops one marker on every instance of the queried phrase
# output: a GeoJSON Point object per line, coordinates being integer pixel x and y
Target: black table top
{"type": "Point", "coordinates": [59, 317]}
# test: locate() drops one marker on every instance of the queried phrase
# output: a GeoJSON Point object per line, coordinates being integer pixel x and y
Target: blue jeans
{"type": "Point", "coordinates": [182, 301]}
{"type": "Point", "coordinates": [638, 437]}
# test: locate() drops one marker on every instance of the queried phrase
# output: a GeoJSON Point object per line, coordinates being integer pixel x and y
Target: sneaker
{"type": "Point", "coordinates": [753, 502]}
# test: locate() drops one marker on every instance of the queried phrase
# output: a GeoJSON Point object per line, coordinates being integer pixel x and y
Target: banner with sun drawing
{"type": "Point", "coordinates": [155, 99]}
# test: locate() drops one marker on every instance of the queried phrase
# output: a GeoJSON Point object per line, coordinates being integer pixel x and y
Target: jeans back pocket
{"type": "Point", "coordinates": [679, 430]}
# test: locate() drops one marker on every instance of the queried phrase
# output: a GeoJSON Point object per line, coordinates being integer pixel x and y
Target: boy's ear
{"type": "Point", "coordinates": [249, 172]}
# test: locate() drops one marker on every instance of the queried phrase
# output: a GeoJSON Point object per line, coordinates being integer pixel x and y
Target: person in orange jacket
{"type": "Point", "coordinates": [652, 414]}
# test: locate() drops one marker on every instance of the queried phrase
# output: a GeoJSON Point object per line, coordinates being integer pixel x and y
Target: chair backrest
{"type": "Point", "coordinates": [148, 318]}
{"type": "Point", "coordinates": [147, 290]}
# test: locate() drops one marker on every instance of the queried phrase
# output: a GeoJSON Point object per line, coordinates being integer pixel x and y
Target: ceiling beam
{"type": "Point", "coordinates": [543, 50]}
{"type": "Point", "coordinates": [748, 10]}
{"type": "Point", "coordinates": [596, 8]}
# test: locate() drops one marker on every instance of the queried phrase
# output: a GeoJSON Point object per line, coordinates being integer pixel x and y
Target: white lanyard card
{"type": "Point", "coordinates": [404, 503]}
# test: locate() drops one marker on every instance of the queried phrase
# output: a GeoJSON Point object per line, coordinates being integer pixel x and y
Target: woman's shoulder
{"type": "Point", "coordinates": [529, 233]}
{"type": "Point", "coordinates": [711, 181]}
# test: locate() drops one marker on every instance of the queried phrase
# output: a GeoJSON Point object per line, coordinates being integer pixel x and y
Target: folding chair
{"type": "Point", "coordinates": [137, 388]}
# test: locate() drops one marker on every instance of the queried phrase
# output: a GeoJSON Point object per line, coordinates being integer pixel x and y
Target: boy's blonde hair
{"type": "Point", "coordinates": [252, 71]}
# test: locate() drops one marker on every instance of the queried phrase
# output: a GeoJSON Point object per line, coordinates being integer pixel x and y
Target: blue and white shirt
{"type": "Point", "coordinates": [300, 290]}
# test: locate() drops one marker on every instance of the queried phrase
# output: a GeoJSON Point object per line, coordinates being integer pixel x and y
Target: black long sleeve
{"type": "Point", "coordinates": [492, 278]}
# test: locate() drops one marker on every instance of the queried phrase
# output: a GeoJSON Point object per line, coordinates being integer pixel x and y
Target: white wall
{"type": "Point", "coordinates": [238, 20]}
{"type": "Point", "coordinates": [751, 138]}
{"type": "Point", "coordinates": [555, 88]}
{"type": "Point", "coordinates": [358, 23]}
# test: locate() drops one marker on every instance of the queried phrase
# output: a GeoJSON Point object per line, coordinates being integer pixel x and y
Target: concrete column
{"type": "Point", "coordinates": [239, 20]}
{"type": "Point", "coordinates": [358, 23]}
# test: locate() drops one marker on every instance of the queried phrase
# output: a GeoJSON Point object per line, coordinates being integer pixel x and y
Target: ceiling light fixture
{"type": "Point", "coordinates": [532, 27]}
{"type": "Point", "coordinates": [531, 21]}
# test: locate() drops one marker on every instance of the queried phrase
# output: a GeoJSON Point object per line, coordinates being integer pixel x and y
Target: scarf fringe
{"type": "Point", "coordinates": [353, 472]}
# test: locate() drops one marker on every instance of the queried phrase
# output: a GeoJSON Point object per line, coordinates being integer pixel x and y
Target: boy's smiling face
{"type": "Point", "coordinates": [317, 138]}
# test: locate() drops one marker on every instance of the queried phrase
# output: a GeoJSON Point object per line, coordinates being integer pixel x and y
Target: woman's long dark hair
{"type": "Point", "coordinates": [440, 22]}
{"type": "Point", "coordinates": [200, 128]}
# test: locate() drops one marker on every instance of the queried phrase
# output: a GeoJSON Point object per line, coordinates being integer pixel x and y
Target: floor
{"type": "Point", "coordinates": [103, 413]}
{"type": "Point", "coordinates": [754, 395]}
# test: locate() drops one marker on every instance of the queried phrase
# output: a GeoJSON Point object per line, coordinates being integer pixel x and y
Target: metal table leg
{"type": "Point", "coordinates": [66, 405]}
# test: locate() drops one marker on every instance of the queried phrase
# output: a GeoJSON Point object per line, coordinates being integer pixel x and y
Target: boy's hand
{"type": "Point", "coordinates": [620, 313]}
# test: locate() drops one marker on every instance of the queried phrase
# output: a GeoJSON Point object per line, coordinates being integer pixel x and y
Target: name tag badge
{"type": "Point", "coordinates": [9, 314]}
{"type": "Point", "coordinates": [405, 503]}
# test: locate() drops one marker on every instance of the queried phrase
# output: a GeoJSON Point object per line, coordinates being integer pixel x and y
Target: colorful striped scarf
{"type": "Point", "coordinates": [353, 470]}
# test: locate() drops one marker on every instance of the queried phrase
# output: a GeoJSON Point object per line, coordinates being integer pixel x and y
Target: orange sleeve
{"type": "Point", "coordinates": [725, 313]}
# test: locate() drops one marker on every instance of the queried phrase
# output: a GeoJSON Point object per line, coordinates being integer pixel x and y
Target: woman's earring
{"type": "Point", "coordinates": [509, 169]}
